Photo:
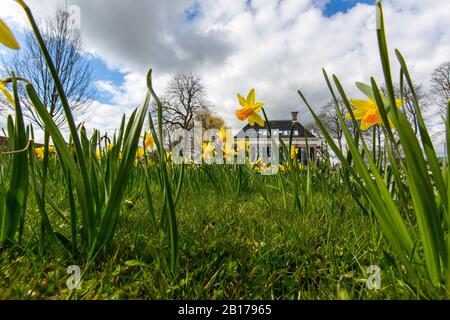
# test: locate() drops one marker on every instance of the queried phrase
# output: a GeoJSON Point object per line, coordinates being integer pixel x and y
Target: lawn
{"type": "Point", "coordinates": [124, 216]}
{"type": "Point", "coordinates": [231, 247]}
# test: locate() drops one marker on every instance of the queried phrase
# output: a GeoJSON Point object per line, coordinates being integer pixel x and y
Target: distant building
{"type": "Point", "coordinates": [4, 143]}
{"type": "Point", "coordinates": [284, 127]}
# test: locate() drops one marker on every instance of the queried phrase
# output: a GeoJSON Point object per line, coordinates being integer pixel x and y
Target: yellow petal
{"type": "Point", "coordinates": [242, 100]}
{"type": "Point", "coordinates": [359, 114]}
{"type": "Point", "coordinates": [251, 121]}
{"type": "Point", "coordinates": [399, 102]}
{"type": "Point", "coordinates": [391, 124]}
{"type": "Point", "coordinates": [256, 118]}
{"type": "Point", "coordinates": [7, 37]}
{"type": "Point", "coordinates": [222, 135]}
{"type": "Point", "coordinates": [257, 107]}
{"type": "Point", "coordinates": [251, 97]}
{"type": "Point", "coordinates": [362, 104]}
{"type": "Point", "coordinates": [259, 120]}
{"type": "Point", "coordinates": [6, 93]}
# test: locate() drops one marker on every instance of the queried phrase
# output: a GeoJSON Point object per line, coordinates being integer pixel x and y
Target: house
{"type": "Point", "coordinates": [300, 139]}
{"type": "Point", "coordinates": [4, 143]}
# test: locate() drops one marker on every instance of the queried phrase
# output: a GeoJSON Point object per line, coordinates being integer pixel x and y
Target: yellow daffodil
{"type": "Point", "coordinates": [110, 147]}
{"type": "Point", "coordinates": [39, 152]}
{"type": "Point", "coordinates": [222, 135]}
{"type": "Point", "coordinates": [140, 153]}
{"type": "Point", "coordinates": [294, 152]}
{"type": "Point", "coordinates": [368, 112]}
{"type": "Point", "coordinates": [168, 156]}
{"type": "Point", "coordinates": [7, 37]}
{"type": "Point", "coordinates": [6, 93]}
{"type": "Point", "coordinates": [250, 109]}
{"type": "Point", "coordinates": [148, 141]}
{"type": "Point", "coordinates": [98, 154]}
{"type": "Point", "coordinates": [208, 149]}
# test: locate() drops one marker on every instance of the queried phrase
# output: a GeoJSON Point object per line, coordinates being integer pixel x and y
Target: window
{"type": "Point", "coordinates": [296, 133]}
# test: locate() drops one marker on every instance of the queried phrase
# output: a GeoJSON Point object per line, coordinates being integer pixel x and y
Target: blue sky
{"type": "Point", "coordinates": [102, 73]}
{"type": "Point", "coordinates": [336, 6]}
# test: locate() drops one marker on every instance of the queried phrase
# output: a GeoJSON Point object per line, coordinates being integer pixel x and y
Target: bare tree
{"type": "Point", "coordinates": [440, 85]}
{"type": "Point", "coordinates": [183, 100]}
{"type": "Point", "coordinates": [423, 100]}
{"type": "Point", "coordinates": [329, 117]}
{"type": "Point", "coordinates": [322, 151]}
{"type": "Point", "coordinates": [74, 70]}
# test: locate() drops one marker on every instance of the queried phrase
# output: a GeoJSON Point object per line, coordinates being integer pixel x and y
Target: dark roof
{"type": "Point", "coordinates": [4, 141]}
{"type": "Point", "coordinates": [282, 126]}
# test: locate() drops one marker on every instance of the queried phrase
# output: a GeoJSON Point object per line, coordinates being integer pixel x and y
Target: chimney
{"type": "Point", "coordinates": [294, 116]}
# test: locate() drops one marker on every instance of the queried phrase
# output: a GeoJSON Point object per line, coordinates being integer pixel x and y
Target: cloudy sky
{"type": "Point", "coordinates": [274, 46]}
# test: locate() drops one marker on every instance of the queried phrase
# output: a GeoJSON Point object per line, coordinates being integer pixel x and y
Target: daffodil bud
{"type": "Point", "coordinates": [7, 38]}
{"type": "Point", "coordinates": [6, 93]}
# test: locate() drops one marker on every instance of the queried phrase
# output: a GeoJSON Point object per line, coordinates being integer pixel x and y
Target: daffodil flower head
{"type": "Point", "coordinates": [250, 109]}
{"type": "Point", "coordinates": [149, 142]}
{"type": "Point", "coordinates": [168, 156]}
{"type": "Point", "coordinates": [367, 111]}
{"type": "Point", "coordinates": [7, 37]}
{"type": "Point", "coordinates": [39, 152]}
{"type": "Point", "coordinates": [140, 153]}
{"type": "Point", "coordinates": [294, 152]}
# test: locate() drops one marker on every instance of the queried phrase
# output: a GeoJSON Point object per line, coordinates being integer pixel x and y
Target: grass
{"type": "Point", "coordinates": [141, 227]}
{"type": "Point", "coordinates": [231, 248]}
